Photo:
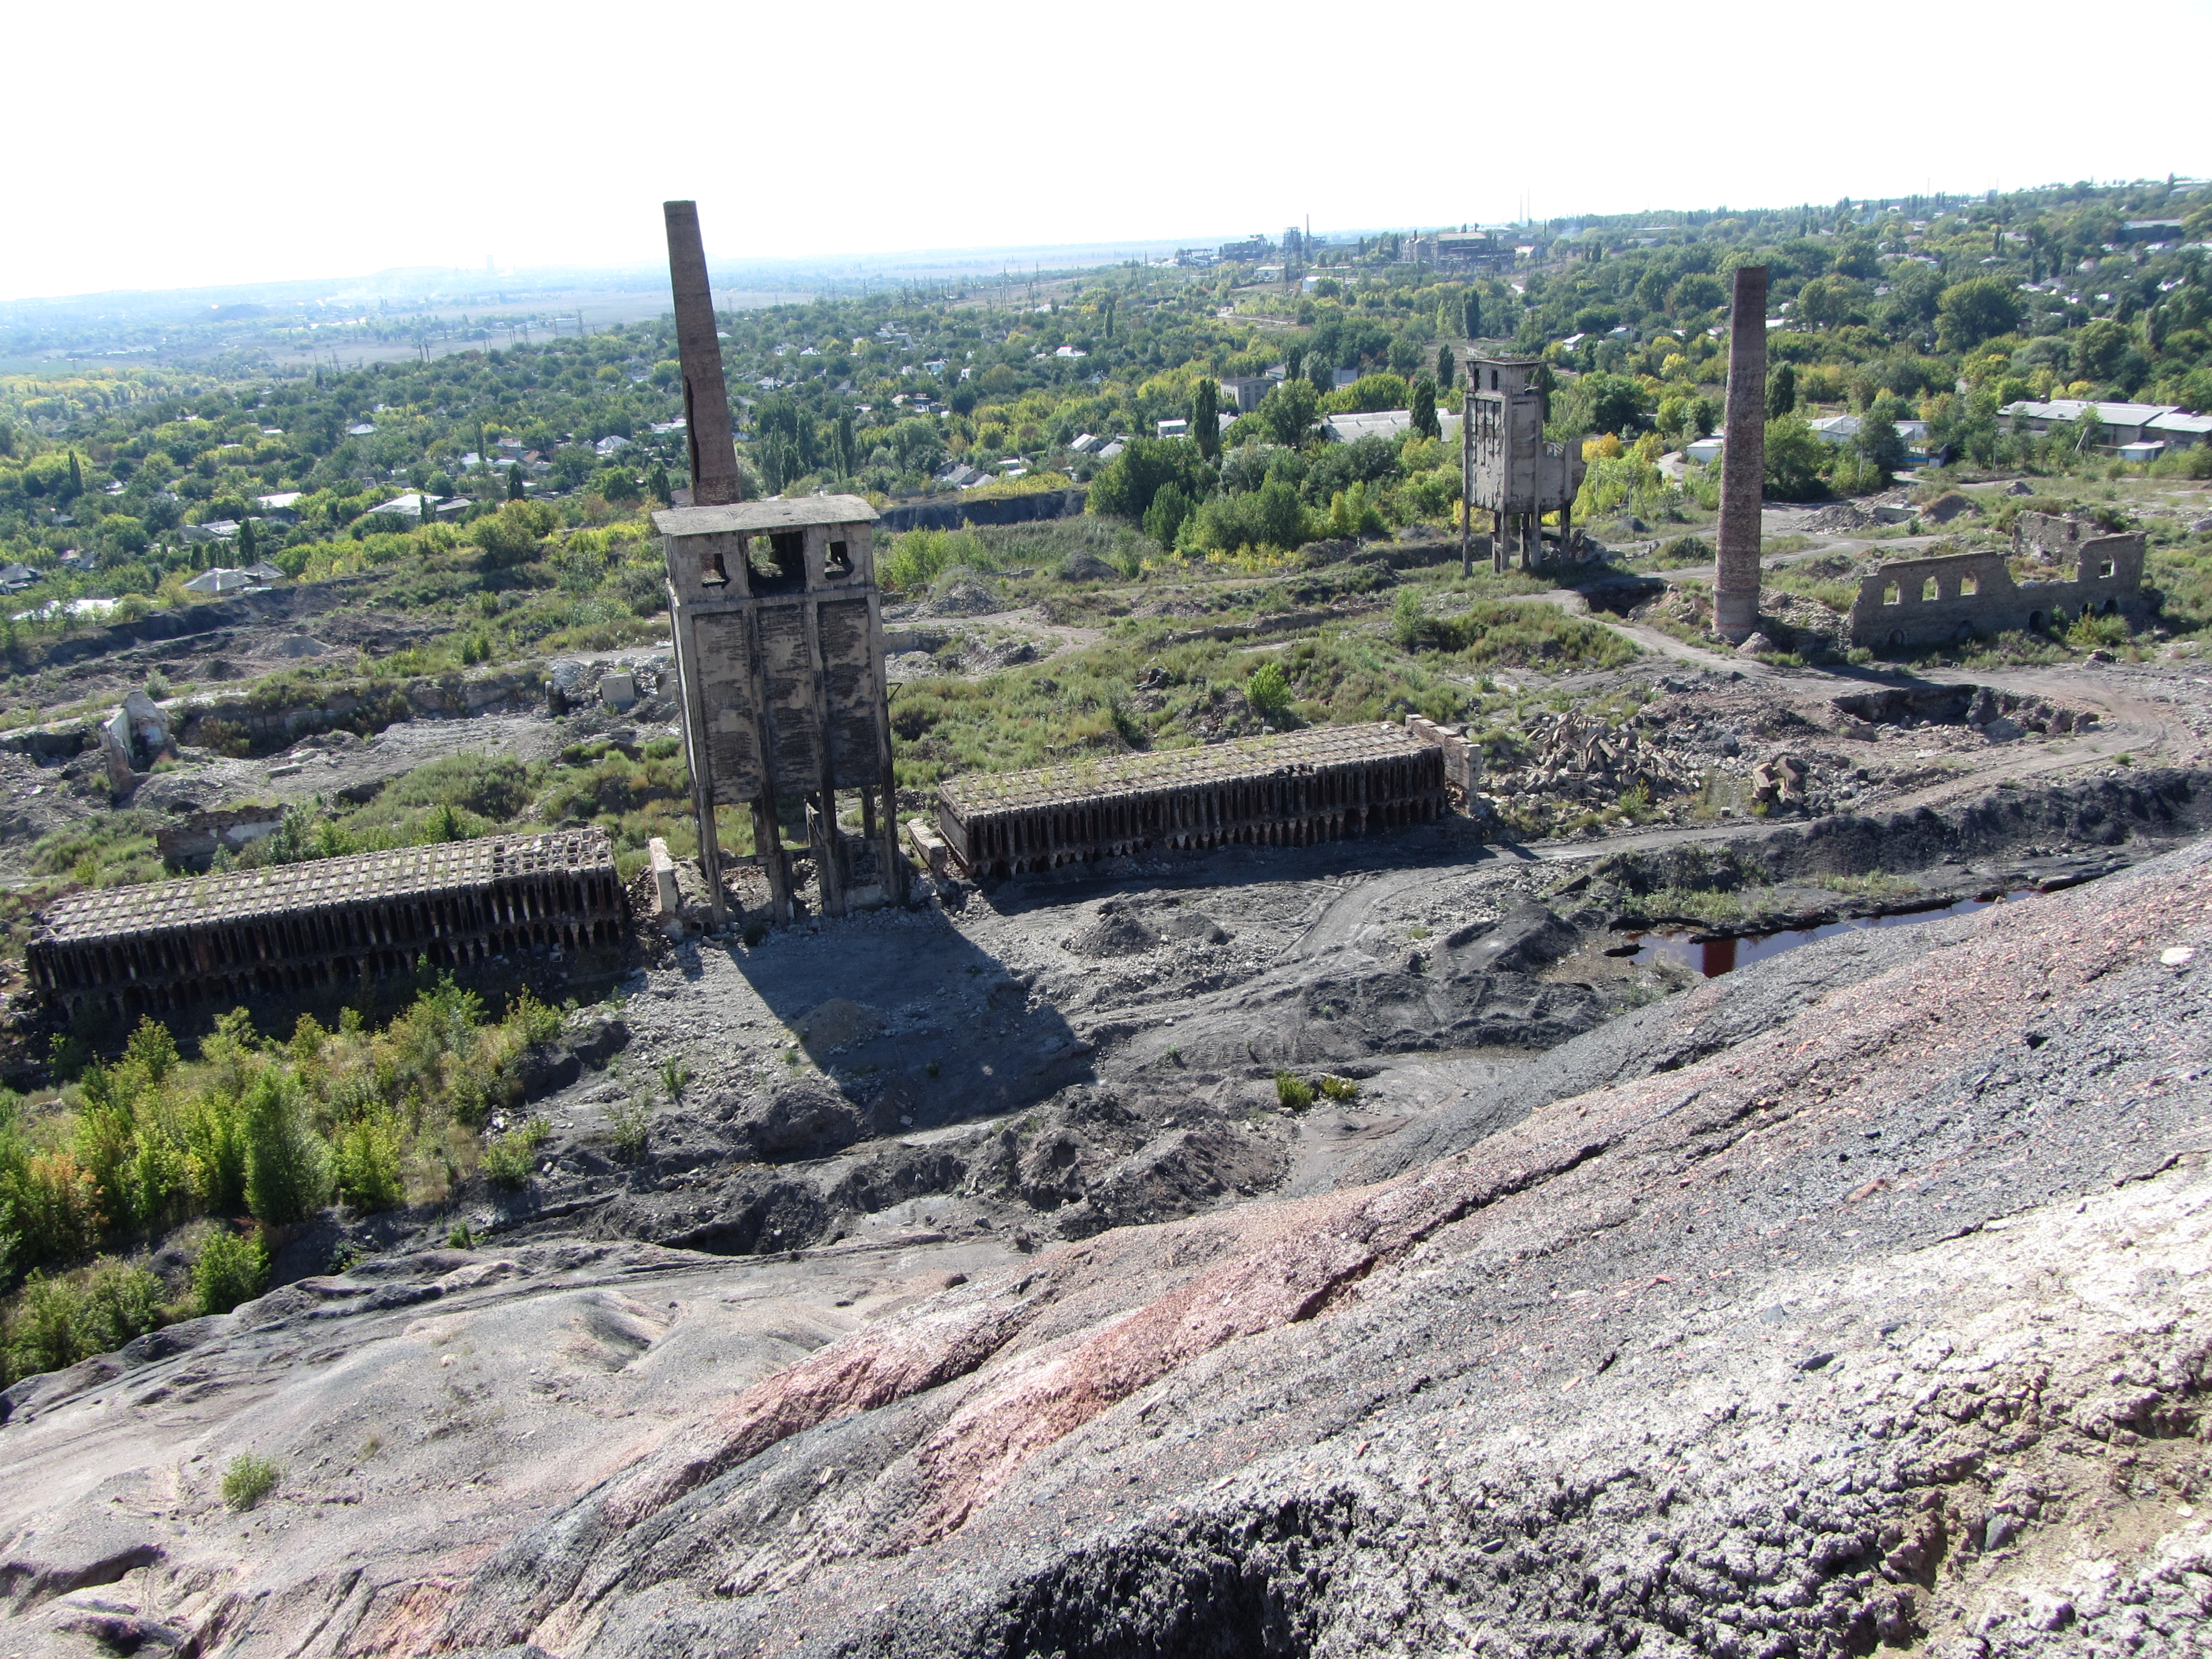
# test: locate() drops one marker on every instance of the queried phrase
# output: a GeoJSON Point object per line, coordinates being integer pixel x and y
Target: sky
{"type": "Point", "coordinates": [257, 142]}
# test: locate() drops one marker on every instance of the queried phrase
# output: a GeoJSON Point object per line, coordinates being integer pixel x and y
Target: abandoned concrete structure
{"type": "Point", "coordinates": [1507, 470]}
{"type": "Point", "coordinates": [1286, 791]}
{"type": "Point", "coordinates": [1961, 596]}
{"type": "Point", "coordinates": [331, 923]}
{"type": "Point", "coordinates": [1743, 461]}
{"type": "Point", "coordinates": [779, 647]}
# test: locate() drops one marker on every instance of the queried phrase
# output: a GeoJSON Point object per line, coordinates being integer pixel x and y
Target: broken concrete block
{"type": "Point", "coordinates": [618, 690]}
{"type": "Point", "coordinates": [930, 846]}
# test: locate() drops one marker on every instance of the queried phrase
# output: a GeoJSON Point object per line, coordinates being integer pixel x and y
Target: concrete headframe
{"type": "Point", "coordinates": [1743, 460]}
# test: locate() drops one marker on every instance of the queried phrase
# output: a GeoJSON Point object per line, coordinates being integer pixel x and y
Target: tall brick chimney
{"type": "Point", "coordinates": [716, 481]}
{"type": "Point", "coordinates": [1743, 460]}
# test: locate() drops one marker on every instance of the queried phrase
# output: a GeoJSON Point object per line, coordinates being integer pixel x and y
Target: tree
{"type": "Point", "coordinates": [2098, 350]}
{"type": "Point", "coordinates": [246, 542]}
{"type": "Point", "coordinates": [1288, 410]}
{"type": "Point", "coordinates": [847, 448]}
{"type": "Point", "coordinates": [1980, 309]}
{"type": "Point", "coordinates": [1422, 398]}
{"type": "Point", "coordinates": [1794, 457]}
{"type": "Point", "coordinates": [75, 478]}
{"type": "Point", "coordinates": [1205, 416]}
{"type": "Point", "coordinates": [1125, 487]}
{"type": "Point", "coordinates": [1878, 443]}
{"type": "Point", "coordinates": [1470, 310]}
{"type": "Point", "coordinates": [1446, 368]}
{"type": "Point", "coordinates": [1781, 390]}
{"type": "Point", "coordinates": [514, 491]}
{"type": "Point", "coordinates": [1164, 518]}
{"type": "Point", "coordinates": [513, 535]}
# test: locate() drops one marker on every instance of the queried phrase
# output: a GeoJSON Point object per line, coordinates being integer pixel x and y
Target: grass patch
{"type": "Point", "coordinates": [248, 1479]}
{"type": "Point", "coordinates": [1876, 885]}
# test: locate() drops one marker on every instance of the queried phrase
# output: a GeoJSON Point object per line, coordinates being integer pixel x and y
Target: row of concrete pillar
{"type": "Point", "coordinates": [1289, 807]}
{"type": "Point", "coordinates": [329, 944]}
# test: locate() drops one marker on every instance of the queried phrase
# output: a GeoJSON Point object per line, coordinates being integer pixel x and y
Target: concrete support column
{"type": "Point", "coordinates": [1743, 460]}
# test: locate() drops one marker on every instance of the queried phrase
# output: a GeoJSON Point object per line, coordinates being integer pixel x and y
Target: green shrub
{"type": "Point", "coordinates": [1268, 692]}
{"type": "Point", "coordinates": [59, 1321]}
{"type": "Point", "coordinates": [1292, 1092]}
{"type": "Point", "coordinates": [287, 1166]}
{"type": "Point", "coordinates": [1340, 1088]}
{"type": "Point", "coordinates": [248, 1481]}
{"type": "Point", "coordinates": [232, 1267]}
{"type": "Point", "coordinates": [631, 1118]}
{"type": "Point", "coordinates": [508, 1157]}
{"type": "Point", "coordinates": [365, 1163]}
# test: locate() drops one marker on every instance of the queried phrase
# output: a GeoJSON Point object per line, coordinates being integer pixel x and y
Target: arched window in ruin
{"type": "Point", "coordinates": [1969, 585]}
{"type": "Point", "coordinates": [1930, 591]}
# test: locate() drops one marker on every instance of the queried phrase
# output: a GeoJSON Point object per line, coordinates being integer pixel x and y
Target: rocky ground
{"type": "Point", "coordinates": [1852, 1300]}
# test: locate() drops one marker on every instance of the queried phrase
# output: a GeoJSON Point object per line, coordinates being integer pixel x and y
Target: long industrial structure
{"type": "Point", "coordinates": [331, 923]}
{"type": "Point", "coordinates": [1286, 790]}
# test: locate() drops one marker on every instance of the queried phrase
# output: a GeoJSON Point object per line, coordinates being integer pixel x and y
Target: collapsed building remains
{"type": "Point", "coordinates": [1956, 597]}
{"type": "Point", "coordinates": [332, 923]}
{"type": "Point", "coordinates": [1508, 471]}
{"type": "Point", "coordinates": [778, 648]}
{"type": "Point", "coordinates": [1286, 790]}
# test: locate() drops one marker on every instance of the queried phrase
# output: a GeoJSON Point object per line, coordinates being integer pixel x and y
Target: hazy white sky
{"type": "Point", "coordinates": [165, 146]}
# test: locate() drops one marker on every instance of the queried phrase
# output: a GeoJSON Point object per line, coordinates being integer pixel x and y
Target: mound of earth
{"type": "Point", "coordinates": [1087, 568]}
{"type": "Point", "coordinates": [1116, 933]}
{"type": "Point", "coordinates": [962, 592]}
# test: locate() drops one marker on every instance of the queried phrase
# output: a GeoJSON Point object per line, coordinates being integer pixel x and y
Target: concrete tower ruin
{"type": "Point", "coordinates": [1508, 470]}
{"type": "Point", "coordinates": [1743, 460]}
{"type": "Point", "coordinates": [779, 641]}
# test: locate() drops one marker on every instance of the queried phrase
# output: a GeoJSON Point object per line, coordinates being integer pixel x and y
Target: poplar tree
{"type": "Point", "coordinates": [1471, 315]}
{"type": "Point", "coordinates": [1423, 396]}
{"type": "Point", "coordinates": [1446, 369]}
{"type": "Point", "coordinates": [1205, 417]}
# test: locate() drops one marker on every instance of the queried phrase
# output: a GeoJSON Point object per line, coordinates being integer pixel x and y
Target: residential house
{"type": "Point", "coordinates": [2180, 430]}
{"type": "Point", "coordinates": [14, 578]}
{"type": "Point", "coordinates": [221, 579]}
{"type": "Point", "coordinates": [1177, 427]}
{"type": "Point", "coordinates": [1247, 390]}
{"type": "Point", "coordinates": [1381, 423]}
{"type": "Point", "coordinates": [2117, 423]}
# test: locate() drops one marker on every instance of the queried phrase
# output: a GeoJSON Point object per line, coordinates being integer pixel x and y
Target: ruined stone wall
{"type": "Point", "coordinates": [1286, 790]}
{"type": "Point", "coordinates": [1962, 596]}
{"type": "Point", "coordinates": [329, 923]}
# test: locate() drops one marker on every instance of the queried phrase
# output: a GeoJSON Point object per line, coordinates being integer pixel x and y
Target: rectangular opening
{"type": "Point", "coordinates": [1969, 585]}
{"type": "Point", "coordinates": [778, 561]}
{"type": "Point", "coordinates": [838, 563]}
{"type": "Point", "coordinates": [711, 573]}
{"type": "Point", "coordinates": [1891, 595]}
{"type": "Point", "coordinates": [2106, 569]}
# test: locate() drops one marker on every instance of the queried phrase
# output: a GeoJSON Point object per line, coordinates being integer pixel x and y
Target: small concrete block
{"type": "Point", "coordinates": [618, 690]}
{"type": "Point", "coordinates": [664, 895]}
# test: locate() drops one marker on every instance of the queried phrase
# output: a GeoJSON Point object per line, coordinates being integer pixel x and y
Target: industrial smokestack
{"type": "Point", "coordinates": [1743, 460]}
{"type": "Point", "coordinates": [716, 481]}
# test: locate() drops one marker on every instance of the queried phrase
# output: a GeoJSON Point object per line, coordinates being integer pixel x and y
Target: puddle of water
{"type": "Point", "coordinates": [1713, 957]}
